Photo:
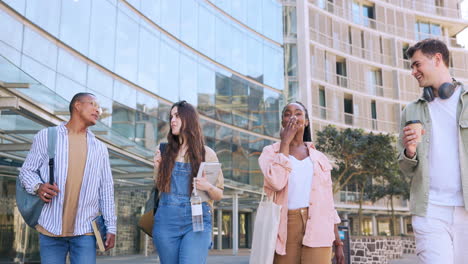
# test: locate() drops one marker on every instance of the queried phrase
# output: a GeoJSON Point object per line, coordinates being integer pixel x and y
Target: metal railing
{"type": "Point", "coordinates": [347, 82]}
{"type": "Point", "coordinates": [430, 8]}
{"type": "Point", "coordinates": [359, 19]}
{"type": "Point", "coordinates": [332, 115]}
{"type": "Point", "coordinates": [346, 47]}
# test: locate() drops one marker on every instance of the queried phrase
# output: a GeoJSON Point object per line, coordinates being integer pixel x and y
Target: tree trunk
{"type": "Point", "coordinates": [361, 198]}
{"type": "Point", "coordinates": [393, 221]}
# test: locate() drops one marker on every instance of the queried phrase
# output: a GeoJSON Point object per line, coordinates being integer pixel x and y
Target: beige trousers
{"type": "Point", "coordinates": [296, 253]}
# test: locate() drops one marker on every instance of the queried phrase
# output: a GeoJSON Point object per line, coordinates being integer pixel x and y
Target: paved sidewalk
{"type": "Point", "coordinates": [215, 257]}
{"type": "Point", "coordinates": [407, 259]}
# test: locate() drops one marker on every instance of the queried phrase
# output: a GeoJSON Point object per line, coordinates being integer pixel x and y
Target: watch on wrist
{"type": "Point", "coordinates": [36, 187]}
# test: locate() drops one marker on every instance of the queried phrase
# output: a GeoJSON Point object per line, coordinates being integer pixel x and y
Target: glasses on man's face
{"type": "Point", "coordinates": [95, 105]}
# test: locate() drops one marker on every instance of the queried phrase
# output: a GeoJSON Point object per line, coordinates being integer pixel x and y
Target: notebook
{"type": "Point", "coordinates": [100, 231]}
{"type": "Point", "coordinates": [212, 171]}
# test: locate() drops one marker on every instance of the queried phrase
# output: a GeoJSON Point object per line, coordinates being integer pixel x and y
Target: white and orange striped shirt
{"type": "Point", "coordinates": [97, 190]}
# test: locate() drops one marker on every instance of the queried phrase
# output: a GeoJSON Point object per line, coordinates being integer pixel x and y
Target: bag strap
{"type": "Point", "coordinates": [162, 147]}
{"type": "Point", "coordinates": [263, 194]}
{"type": "Point", "coordinates": [51, 143]}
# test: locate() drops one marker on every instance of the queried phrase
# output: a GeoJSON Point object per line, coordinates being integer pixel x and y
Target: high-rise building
{"type": "Point", "coordinates": [138, 57]}
{"type": "Point", "coordinates": [345, 59]}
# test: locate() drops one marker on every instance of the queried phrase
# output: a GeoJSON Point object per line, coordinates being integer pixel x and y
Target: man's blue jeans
{"type": "Point", "coordinates": [54, 250]}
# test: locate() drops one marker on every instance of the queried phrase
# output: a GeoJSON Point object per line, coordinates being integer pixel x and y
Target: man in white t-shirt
{"type": "Point", "coordinates": [437, 157]}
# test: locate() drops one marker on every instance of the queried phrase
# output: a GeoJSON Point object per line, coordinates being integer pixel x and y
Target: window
{"type": "Point", "coordinates": [323, 103]}
{"type": "Point", "coordinates": [290, 21]}
{"type": "Point", "coordinates": [326, 5]}
{"type": "Point", "coordinates": [374, 115]}
{"type": "Point", "coordinates": [425, 30]}
{"type": "Point", "coordinates": [368, 17]}
{"type": "Point", "coordinates": [375, 82]}
{"type": "Point", "coordinates": [406, 60]}
{"type": "Point", "coordinates": [341, 76]}
{"type": "Point", "coordinates": [348, 109]}
{"type": "Point", "coordinates": [439, 5]}
{"type": "Point", "coordinates": [364, 15]}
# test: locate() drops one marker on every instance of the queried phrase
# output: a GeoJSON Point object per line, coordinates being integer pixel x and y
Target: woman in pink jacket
{"type": "Point", "coordinates": [298, 177]}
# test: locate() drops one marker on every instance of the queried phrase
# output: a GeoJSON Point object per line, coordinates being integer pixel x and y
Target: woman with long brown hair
{"type": "Point", "coordinates": [177, 168]}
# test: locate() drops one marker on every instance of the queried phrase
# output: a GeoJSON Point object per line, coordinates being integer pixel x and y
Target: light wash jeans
{"type": "Point", "coordinates": [54, 250]}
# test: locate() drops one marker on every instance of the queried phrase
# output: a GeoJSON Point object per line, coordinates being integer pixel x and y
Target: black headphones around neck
{"type": "Point", "coordinates": [445, 91]}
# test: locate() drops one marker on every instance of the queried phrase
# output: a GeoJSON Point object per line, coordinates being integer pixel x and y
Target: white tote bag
{"type": "Point", "coordinates": [265, 232]}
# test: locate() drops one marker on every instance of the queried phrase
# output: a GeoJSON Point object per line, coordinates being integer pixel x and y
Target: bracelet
{"type": "Point", "coordinates": [338, 243]}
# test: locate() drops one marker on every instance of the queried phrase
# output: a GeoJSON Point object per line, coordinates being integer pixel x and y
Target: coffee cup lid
{"type": "Point", "coordinates": [413, 122]}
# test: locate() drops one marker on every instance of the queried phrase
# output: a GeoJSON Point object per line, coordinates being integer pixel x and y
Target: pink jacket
{"type": "Point", "coordinates": [322, 214]}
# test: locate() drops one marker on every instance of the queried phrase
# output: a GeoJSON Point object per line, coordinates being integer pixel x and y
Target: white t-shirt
{"type": "Point", "coordinates": [300, 182]}
{"type": "Point", "coordinates": [444, 160]}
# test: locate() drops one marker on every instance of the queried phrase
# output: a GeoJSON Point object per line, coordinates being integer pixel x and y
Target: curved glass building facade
{"type": "Point", "coordinates": [139, 57]}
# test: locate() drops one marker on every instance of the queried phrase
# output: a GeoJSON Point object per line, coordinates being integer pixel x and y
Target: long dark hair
{"type": "Point", "coordinates": [307, 137]}
{"type": "Point", "coordinates": [191, 134]}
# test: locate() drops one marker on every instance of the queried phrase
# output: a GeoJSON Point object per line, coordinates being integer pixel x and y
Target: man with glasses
{"type": "Point", "coordinates": [83, 186]}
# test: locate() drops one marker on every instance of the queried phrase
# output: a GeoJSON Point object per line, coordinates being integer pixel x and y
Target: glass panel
{"type": "Point", "coordinates": [152, 9]}
{"type": "Point", "coordinates": [238, 50]}
{"type": "Point", "coordinates": [255, 57]}
{"type": "Point", "coordinates": [206, 90]}
{"type": "Point", "coordinates": [436, 30]}
{"type": "Point", "coordinates": [148, 63]}
{"type": "Point", "coordinates": [291, 59]}
{"type": "Point", "coordinates": [99, 81]}
{"type": "Point", "coordinates": [223, 149]}
{"type": "Point", "coordinates": [102, 35]}
{"type": "Point", "coordinates": [373, 110]}
{"type": "Point", "coordinates": [169, 70]}
{"type": "Point", "coordinates": [223, 98]}
{"type": "Point", "coordinates": [38, 71]}
{"type": "Point", "coordinates": [67, 88]}
{"type": "Point", "coordinates": [45, 16]}
{"type": "Point", "coordinates": [254, 17]}
{"type": "Point", "coordinates": [74, 24]}
{"type": "Point", "coordinates": [239, 10]}
{"type": "Point", "coordinates": [290, 21]}
{"type": "Point", "coordinates": [256, 145]}
{"type": "Point", "coordinates": [40, 48]}
{"type": "Point", "coordinates": [18, 241]}
{"type": "Point", "coordinates": [240, 94]}
{"type": "Point", "coordinates": [11, 29]}
{"type": "Point", "coordinates": [240, 158]}
{"type": "Point", "coordinates": [126, 57]}
{"type": "Point", "coordinates": [170, 16]}
{"type": "Point", "coordinates": [123, 120]}
{"type": "Point", "coordinates": [271, 114]}
{"type": "Point", "coordinates": [356, 13]}
{"type": "Point", "coordinates": [188, 79]}
{"type": "Point", "coordinates": [223, 41]}
{"type": "Point", "coordinates": [189, 23]}
{"type": "Point", "coordinates": [124, 94]}
{"type": "Point", "coordinates": [71, 67]}
{"type": "Point", "coordinates": [206, 33]}
{"type": "Point", "coordinates": [256, 109]}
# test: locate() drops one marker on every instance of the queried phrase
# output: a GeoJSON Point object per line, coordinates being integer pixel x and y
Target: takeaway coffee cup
{"type": "Point", "coordinates": [417, 126]}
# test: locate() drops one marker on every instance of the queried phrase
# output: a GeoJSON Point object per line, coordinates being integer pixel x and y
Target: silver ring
{"type": "Point", "coordinates": [45, 194]}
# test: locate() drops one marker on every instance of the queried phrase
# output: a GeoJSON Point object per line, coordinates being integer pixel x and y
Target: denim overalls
{"type": "Point", "coordinates": [172, 231]}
